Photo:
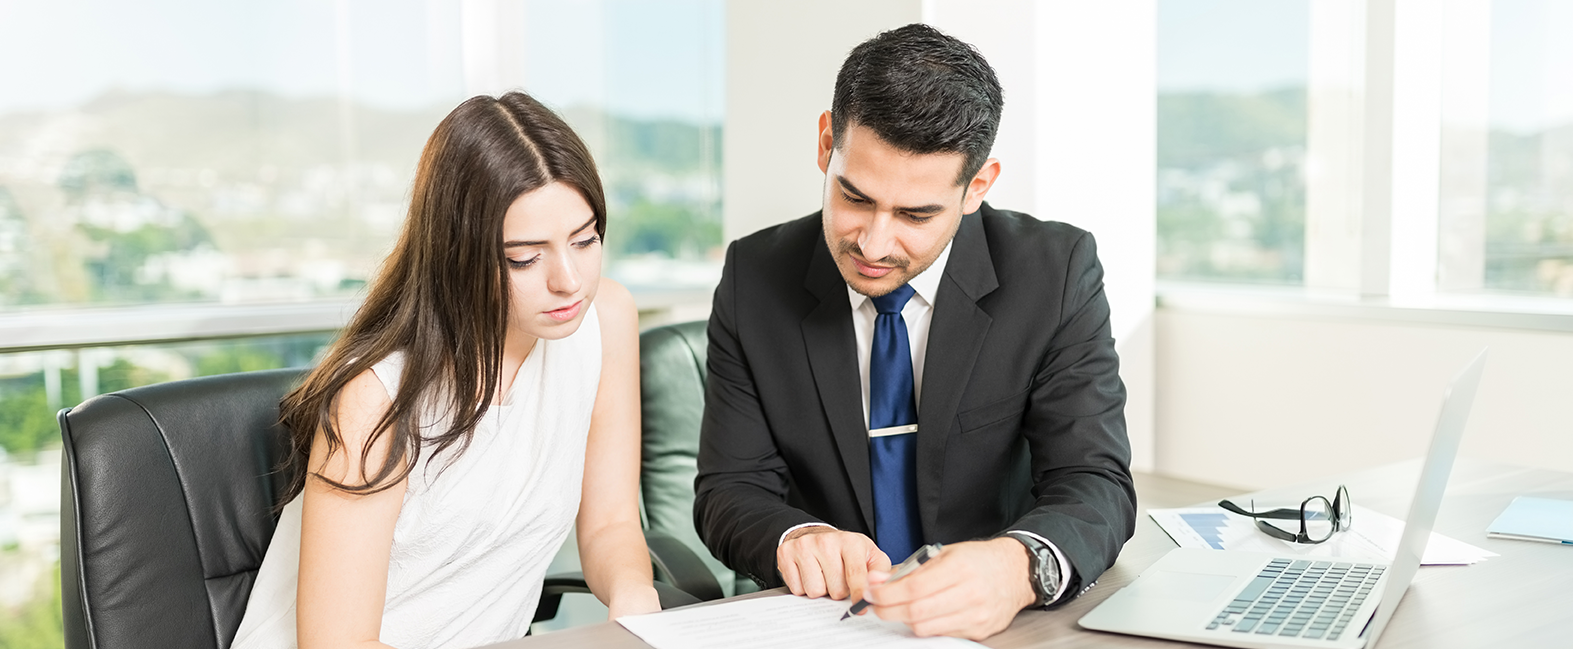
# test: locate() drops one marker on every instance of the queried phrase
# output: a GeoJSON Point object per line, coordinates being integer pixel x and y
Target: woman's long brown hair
{"type": "Point", "coordinates": [441, 297]}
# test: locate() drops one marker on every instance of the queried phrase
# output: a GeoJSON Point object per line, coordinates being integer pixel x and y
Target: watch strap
{"type": "Point", "coordinates": [1044, 574]}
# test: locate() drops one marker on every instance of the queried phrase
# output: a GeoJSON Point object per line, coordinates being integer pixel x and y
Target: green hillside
{"type": "Point", "coordinates": [1197, 128]}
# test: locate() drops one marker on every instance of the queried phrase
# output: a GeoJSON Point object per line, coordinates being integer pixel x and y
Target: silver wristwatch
{"type": "Point", "coordinates": [1044, 574]}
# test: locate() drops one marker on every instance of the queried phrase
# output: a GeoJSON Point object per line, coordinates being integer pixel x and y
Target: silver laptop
{"type": "Point", "coordinates": [1242, 599]}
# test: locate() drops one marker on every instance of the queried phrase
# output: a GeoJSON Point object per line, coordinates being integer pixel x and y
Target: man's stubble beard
{"type": "Point", "coordinates": [901, 266]}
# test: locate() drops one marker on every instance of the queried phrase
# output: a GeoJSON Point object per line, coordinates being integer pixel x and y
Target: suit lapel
{"type": "Point", "coordinates": [956, 336]}
{"type": "Point", "coordinates": [832, 355]}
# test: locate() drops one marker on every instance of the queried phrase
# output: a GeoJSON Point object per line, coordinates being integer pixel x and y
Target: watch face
{"type": "Point", "coordinates": [1048, 576]}
{"type": "Point", "coordinates": [1045, 573]}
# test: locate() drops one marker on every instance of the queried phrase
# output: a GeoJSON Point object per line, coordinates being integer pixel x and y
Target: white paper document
{"type": "Point", "coordinates": [1374, 537]}
{"type": "Point", "coordinates": [784, 622]}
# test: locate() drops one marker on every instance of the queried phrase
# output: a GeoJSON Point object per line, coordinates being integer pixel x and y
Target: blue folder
{"type": "Point", "coordinates": [1535, 519]}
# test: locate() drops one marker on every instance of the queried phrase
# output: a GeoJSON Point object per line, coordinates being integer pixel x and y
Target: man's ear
{"type": "Point", "coordinates": [827, 141]}
{"type": "Point", "coordinates": [978, 188]}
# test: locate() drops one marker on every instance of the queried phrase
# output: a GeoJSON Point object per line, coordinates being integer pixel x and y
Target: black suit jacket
{"type": "Point", "coordinates": [1020, 424]}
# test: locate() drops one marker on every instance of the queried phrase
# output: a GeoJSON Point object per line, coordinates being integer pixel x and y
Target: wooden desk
{"type": "Point", "coordinates": [1519, 599]}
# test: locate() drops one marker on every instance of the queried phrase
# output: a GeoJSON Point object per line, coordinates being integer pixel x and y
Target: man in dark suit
{"type": "Point", "coordinates": [911, 365]}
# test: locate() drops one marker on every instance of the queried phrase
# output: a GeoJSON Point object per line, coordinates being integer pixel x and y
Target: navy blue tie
{"type": "Point", "coordinates": [892, 423]}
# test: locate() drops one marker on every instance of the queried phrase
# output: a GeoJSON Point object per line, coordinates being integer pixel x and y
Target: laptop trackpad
{"type": "Point", "coordinates": [1168, 584]}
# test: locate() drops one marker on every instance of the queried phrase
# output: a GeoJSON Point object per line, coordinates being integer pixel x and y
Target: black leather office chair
{"type": "Point", "coordinates": [166, 513]}
{"type": "Point", "coordinates": [166, 509]}
{"type": "Point", "coordinates": [672, 386]}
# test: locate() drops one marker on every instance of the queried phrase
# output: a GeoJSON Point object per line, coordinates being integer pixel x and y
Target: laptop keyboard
{"type": "Point", "coordinates": [1304, 599]}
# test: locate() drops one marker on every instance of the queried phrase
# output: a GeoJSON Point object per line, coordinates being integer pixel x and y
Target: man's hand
{"type": "Point", "coordinates": [971, 590]}
{"type": "Point", "coordinates": [820, 560]}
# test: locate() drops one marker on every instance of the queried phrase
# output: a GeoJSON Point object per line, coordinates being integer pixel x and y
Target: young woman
{"type": "Point", "coordinates": [484, 399]}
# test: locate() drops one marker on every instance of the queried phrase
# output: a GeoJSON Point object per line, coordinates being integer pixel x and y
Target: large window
{"type": "Point", "coordinates": [642, 82]}
{"type": "Point", "coordinates": [1284, 128]}
{"type": "Point", "coordinates": [178, 151]}
{"type": "Point", "coordinates": [183, 151]}
{"type": "Point", "coordinates": [1232, 140]}
{"type": "Point", "coordinates": [189, 151]}
{"type": "Point", "coordinates": [1528, 165]}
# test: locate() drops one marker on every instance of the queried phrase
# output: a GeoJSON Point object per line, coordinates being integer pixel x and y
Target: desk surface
{"type": "Point", "coordinates": [1518, 599]}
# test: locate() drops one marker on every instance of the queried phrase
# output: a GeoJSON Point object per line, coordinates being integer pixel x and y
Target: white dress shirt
{"type": "Point", "coordinates": [918, 314]}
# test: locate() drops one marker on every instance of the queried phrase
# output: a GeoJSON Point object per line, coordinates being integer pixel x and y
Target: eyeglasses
{"type": "Point", "coordinates": [1319, 518]}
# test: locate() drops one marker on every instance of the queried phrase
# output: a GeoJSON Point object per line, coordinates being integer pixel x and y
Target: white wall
{"type": "Point", "coordinates": [781, 63]}
{"type": "Point", "coordinates": [1097, 148]}
{"type": "Point", "coordinates": [1255, 401]}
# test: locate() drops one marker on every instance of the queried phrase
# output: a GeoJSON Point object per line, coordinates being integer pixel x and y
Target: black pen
{"type": "Point", "coordinates": [917, 559]}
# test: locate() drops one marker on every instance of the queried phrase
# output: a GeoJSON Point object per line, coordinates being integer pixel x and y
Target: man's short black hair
{"type": "Point", "coordinates": [921, 91]}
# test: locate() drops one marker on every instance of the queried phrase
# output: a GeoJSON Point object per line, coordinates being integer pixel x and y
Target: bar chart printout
{"type": "Point", "coordinates": [1208, 526]}
{"type": "Point", "coordinates": [1373, 538]}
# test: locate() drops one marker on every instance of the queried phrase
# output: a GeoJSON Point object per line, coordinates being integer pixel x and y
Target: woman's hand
{"type": "Point", "coordinates": [634, 601]}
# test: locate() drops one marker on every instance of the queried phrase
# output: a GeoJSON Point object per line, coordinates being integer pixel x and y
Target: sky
{"type": "Point", "coordinates": [636, 57]}
{"type": "Point", "coordinates": [1232, 45]}
{"type": "Point", "coordinates": [656, 59]}
{"type": "Point", "coordinates": [649, 59]}
{"type": "Point", "coordinates": [1252, 45]}
{"type": "Point", "coordinates": [1531, 64]}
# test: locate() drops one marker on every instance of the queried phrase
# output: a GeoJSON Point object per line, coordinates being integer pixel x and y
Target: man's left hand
{"type": "Point", "coordinates": [971, 590]}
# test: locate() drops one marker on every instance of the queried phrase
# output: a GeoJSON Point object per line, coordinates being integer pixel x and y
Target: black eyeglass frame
{"type": "Point", "coordinates": [1341, 518]}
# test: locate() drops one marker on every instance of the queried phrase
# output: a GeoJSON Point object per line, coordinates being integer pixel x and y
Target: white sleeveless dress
{"type": "Point", "coordinates": [474, 538]}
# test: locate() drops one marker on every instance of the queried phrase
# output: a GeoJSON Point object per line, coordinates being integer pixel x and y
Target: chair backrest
{"type": "Point", "coordinates": [167, 509]}
{"type": "Point", "coordinates": [672, 391]}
